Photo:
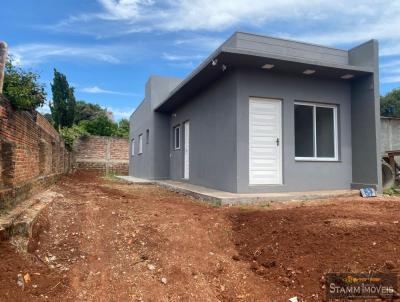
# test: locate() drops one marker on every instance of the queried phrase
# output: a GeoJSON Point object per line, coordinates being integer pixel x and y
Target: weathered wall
{"type": "Point", "coordinates": [390, 134]}
{"type": "Point", "coordinates": [107, 154]}
{"type": "Point", "coordinates": [32, 154]}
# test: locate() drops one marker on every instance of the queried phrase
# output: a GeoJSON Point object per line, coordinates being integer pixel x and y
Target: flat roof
{"type": "Point", "coordinates": [251, 50]}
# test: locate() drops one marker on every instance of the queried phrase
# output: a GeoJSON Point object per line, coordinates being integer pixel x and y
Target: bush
{"type": "Point", "coordinates": [22, 88]}
{"type": "Point", "coordinates": [101, 125]}
{"type": "Point", "coordinates": [390, 103]}
{"type": "Point", "coordinates": [72, 133]}
{"type": "Point", "coordinates": [87, 111]}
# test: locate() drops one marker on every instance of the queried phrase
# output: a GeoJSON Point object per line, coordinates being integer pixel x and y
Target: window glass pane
{"type": "Point", "coordinates": [325, 132]}
{"type": "Point", "coordinates": [133, 147]}
{"type": "Point", "coordinates": [140, 143]}
{"type": "Point", "coordinates": [303, 124]}
{"type": "Point", "coordinates": [177, 138]}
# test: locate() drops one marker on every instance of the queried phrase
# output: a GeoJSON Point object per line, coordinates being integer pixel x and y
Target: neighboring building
{"type": "Point", "coordinates": [264, 115]}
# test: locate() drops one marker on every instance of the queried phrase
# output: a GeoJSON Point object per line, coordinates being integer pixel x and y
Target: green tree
{"type": "Point", "coordinates": [123, 128]}
{"type": "Point", "coordinates": [63, 105]}
{"type": "Point", "coordinates": [101, 125]}
{"type": "Point", "coordinates": [71, 104]}
{"type": "Point", "coordinates": [390, 103]}
{"type": "Point", "coordinates": [70, 134]}
{"type": "Point", "coordinates": [87, 111]}
{"type": "Point", "coordinates": [22, 88]}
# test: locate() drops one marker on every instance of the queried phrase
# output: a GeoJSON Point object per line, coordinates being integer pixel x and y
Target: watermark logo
{"type": "Point", "coordinates": [364, 286]}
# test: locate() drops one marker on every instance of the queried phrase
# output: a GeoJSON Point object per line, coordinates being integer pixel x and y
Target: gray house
{"type": "Point", "coordinates": [262, 114]}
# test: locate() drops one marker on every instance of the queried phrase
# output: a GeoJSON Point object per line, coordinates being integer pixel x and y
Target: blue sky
{"type": "Point", "coordinates": [108, 48]}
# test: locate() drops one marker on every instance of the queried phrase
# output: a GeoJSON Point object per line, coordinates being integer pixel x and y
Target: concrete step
{"type": "Point", "coordinates": [20, 219]}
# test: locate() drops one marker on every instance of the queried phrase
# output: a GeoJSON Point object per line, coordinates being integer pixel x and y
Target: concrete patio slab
{"type": "Point", "coordinates": [227, 198]}
{"type": "Point", "coordinates": [135, 180]}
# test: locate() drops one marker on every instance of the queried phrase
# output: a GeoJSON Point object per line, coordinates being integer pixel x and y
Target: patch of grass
{"type": "Point", "coordinates": [265, 204]}
{"type": "Point", "coordinates": [392, 191]}
{"type": "Point", "coordinates": [111, 175]}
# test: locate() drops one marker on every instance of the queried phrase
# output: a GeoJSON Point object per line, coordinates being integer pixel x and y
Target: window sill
{"type": "Point", "coordinates": [310, 159]}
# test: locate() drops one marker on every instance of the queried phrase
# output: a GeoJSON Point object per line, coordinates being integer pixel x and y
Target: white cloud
{"type": "Point", "coordinates": [390, 72]}
{"type": "Point", "coordinates": [168, 15]}
{"type": "Point", "coordinates": [45, 108]}
{"type": "Point", "coordinates": [218, 15]}
{"type": "Point", "coordinates": [200, 22]}
{"type": "Point", "coordinates": [123, 9]}
{"type": "Point", "coordinates": [32, 54]}
{"type": "Point", "coordinates": [391, 79]}
{"type": "Point", "coordinates": [206, 43]}
{"type": "Point", "coordinates": [177, 57]}
{"type": "Point", "coordinates": [119, 113]}
{"type": "Point", "coordinates": [331, 22]}
{"type": "Point", "coordinates": [390, 64]}
{"type": "Point", "coordinates": [98, 90]}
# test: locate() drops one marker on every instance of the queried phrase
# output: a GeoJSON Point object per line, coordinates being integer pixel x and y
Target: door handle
{"type": "Point", "coordinates": [277, 141]}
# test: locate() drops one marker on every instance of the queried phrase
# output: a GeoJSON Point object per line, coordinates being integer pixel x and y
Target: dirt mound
{"type": "Point", "coordinates": [111, 241]}
{"type": "Point", "coordinates": [293, 248]}
{"type": "Point", "coordinates": [44, 283]}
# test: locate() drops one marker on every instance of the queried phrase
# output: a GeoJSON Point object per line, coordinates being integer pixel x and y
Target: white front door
{"type": "Point", "coordinates": [265, 141]}
{"type": "Point", "coordinates": [186, 150]}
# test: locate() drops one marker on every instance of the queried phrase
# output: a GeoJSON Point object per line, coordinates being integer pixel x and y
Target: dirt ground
{"type": "Point", "coordinates": [106, 240]}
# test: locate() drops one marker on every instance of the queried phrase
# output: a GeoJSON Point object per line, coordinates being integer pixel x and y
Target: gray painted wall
{"type": "Point", "coordinates": [297, 175]}
{"type": "Point", "coordinates": [153, 163]}
{"type": "Point", "coordinates": [212, 116]}
{"type": "Point", "coordinates": [365, 116]}
{"type": "Point", "coordinates": [218, 118]}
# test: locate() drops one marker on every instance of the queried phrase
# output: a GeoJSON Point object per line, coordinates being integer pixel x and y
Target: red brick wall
{"type": "Point", "coordinates": [108, 154]}
{"type": "Point", "coordinates": [30, 148]}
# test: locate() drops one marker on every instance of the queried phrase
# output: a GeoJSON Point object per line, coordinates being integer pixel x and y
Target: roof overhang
{"type": "Point", "coordinates": [227, 58]}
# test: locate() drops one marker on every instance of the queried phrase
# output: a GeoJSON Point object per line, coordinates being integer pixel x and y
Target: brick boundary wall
{"type": "Point", "coordinates": [101, 153]}
{"type": "Point", "coordinates": [32, 154]}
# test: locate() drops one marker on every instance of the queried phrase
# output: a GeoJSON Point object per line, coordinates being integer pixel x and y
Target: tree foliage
{"type": "Point", "coordinates": [70, 134]}
{"type": "Point", "coordinates": [63, 105]}
{"type": "Point", "coordinates": [101, 125]}
{"type": "Point", "coordinates": [87, 111]}
{"type": "Point", "coordinates": [390, 103]}
{"type": "Point", "coordinates": [123, 128]}
{"type": "Point", "coordinates": [22, 88]}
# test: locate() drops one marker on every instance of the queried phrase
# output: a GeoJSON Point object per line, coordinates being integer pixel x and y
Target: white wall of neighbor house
{"type": "Point", "coordinates": [390, 134]}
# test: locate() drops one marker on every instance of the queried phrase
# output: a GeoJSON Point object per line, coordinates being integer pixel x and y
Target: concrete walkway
{"type": "Point", "coordinates": [227, 198]}
{"type": "Point", "coordinates": [135, 180]}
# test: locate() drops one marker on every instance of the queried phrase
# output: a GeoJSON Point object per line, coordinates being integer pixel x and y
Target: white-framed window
{"type": "Point", "coordinates": [177, 137]}
{"type": "Point", "coordinates": [316, 133]}
{"type": "Point", "coordinates": [133, 147]}
{"type": "Point", "coordinates": [140, 144]}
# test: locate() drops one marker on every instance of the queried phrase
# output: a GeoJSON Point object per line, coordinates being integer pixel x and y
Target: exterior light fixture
{"type": "Point", "coordinates": [214, 62]}
{"type": "Point", "coordinates": [268, 66]}
{"type": "Point", "coordinates": [309, 71]}
{"type": "Point", "coordinates": [347, 76]}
